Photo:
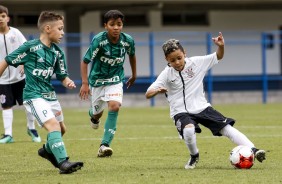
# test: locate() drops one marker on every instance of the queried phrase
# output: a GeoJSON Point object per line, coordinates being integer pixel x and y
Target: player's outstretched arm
{"type": "Point", "coordinates": [153, 92]}
{"type": "Point", "coordinates": [3, 66]}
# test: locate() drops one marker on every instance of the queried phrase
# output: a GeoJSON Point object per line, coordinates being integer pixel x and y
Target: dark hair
{"type": "Point", "coordinates": [172, 45]}
{"type": "Point", "coordinates": [47, 16]}
{"type": "Point", "coordinates": [113, 14]}
{"type": "Point", "coordinates": [3, 9]}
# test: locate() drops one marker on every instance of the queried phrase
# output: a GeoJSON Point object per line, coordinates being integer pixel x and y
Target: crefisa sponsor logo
{"type": "Point", "coordinates": [19, 58]}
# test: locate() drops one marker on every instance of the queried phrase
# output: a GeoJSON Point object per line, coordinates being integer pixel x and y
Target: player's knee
{"type": "Point", "coordinates": [190, 126]}
{"type": "Point", "coordinates": [52, 125]}
{"type": "Point", "coordinates": [189, 130]}
{"type": "Point", "coordinates": [188, 133]}
{"type": "Point", "coordinates": [114, 107]}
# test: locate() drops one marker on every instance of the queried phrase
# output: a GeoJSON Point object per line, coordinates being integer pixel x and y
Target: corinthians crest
{"type": "Point", "coordinates": [2, 99]}
{"type": "Point", "coordinates": [189, 72]}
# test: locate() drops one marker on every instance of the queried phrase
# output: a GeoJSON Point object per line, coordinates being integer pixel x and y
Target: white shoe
{"type": "Point", "coordinates": [105, 151]}
{"type": "Point", "coordinates": [6, 139]}
{"type": "Point", "coordinates": [94, 123]}
{"type": "Point", "coordinates": [191, 164]}
{"type": "Point", "coordinates": [34, 135]}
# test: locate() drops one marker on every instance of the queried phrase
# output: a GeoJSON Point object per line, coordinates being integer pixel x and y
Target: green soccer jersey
{"type": "Point", "coordinates": [108, 59]}
{"type": "Point", "coordinates": [40, 63]}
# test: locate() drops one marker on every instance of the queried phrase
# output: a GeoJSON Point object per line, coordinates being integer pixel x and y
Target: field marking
{"type": "Point", "coordinates": [167, 138]}
{"type": "Point", "coordinates": [169, 126]}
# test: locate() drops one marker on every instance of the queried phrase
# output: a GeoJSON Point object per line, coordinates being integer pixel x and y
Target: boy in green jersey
{"type": "Point", "coordinates": [41, 59]}
{"type": "Point", "coordinates": [12, 81]}
{"type": "Point", "coordinates": [107, 55]}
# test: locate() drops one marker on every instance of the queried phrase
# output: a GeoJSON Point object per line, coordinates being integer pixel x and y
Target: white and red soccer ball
{"type": "Point", "coordinates": [242, 157]}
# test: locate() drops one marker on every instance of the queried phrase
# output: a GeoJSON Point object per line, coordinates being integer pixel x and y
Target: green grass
{"type": "Point", "coordinates": [147, 150]}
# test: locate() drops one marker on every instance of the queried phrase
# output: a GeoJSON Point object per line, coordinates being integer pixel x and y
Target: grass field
{"type": "Point", "coordinates": [147, 150]}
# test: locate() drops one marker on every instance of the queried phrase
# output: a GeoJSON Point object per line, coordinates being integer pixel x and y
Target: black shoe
{"type": "Point", "coordinates": [194, 159]}
{"type": "Point", "coordinates": [259, 154]}
{"type": "Point", "coordinates": [67, 167]}
{"type": "Point", "coordinates": [49, 156]}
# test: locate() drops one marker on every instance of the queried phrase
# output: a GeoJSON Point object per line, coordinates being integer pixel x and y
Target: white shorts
{"type": "Point", "coordinates": [101, 96]}
{"type": "Point", "coordinates": [44, 110]}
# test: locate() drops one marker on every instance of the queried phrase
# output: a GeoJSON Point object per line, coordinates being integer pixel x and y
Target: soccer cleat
{"type": "Point", "coordinates": [259, 154]}
{"type": "Point", "coordinates": [105, 151]}
{"type": "Point", "coordinates": [191, 164]}
{"type": "Point", "coordinates": [34, 135]}
{"type": "Point", "coordinates": [94, 123]}
{"type": "Point", "coordinates": [67, 167]}
{"type": "Point", "coordinates": [49, 156]}
{"type": "Point", "coordinates": [6, 139]}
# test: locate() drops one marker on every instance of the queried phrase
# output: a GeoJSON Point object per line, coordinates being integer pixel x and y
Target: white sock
{"type": "Point", "coordinates": [7, 115]}
{"type": "Point", "coordinates": [236, 136]}
{"type": "Point", "coordinates": [190, 140]}
{"type": "Point", "coordinates": [30, 120]}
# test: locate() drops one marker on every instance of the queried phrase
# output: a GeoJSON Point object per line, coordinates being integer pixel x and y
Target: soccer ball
{"type": "Point", "coordinates": [242, 157]}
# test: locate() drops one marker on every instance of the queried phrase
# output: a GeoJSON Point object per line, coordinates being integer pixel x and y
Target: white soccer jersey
{"type": "Point", "coordinates": [185, 89]}
{"type": "Point", "coordinates": [8, 43]}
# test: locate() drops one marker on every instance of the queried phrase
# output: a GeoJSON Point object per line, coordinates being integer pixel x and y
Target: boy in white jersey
{"type": "Point", "coordinates": [12, 81]}
{"type": "Point", "coordinates": [182, 83]}
{"type": "Point", "coordinates": [41, 59]}
{"type": "Point", "coordinates": [107, 55]}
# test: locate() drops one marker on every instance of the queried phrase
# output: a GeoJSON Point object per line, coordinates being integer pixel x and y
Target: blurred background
{"type": "Point", "coordinates": [251, 71]}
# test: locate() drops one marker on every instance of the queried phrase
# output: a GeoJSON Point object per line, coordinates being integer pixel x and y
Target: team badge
{"type": "Point", "coordinates": [178, 125]}
{"type": "Point", "coordinates": [189, 72]}
{"type": "Point", "coordinates": [3, 99]}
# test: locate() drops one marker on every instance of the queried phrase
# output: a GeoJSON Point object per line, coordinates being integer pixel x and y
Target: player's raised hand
{"type": "Point", "coordinates": [219, 40]}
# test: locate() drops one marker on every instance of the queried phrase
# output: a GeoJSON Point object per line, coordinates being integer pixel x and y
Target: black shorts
{"type": "Point", "coordinates": [209, 118]}
{"type": "Point", "coordinates": [10, 94]}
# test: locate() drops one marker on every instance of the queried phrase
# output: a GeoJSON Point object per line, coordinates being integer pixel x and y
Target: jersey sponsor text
{"type": "Point", "coordinates": [103, 81]}
{"type": "Point", "coordinates": [19, 58]}
{"type": "Point", "coordinates": [112, 62]}
{"type": "Point", "coordinates": [44, 73]}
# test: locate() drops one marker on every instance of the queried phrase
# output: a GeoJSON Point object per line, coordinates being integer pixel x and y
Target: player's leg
{"type": "Point", "coordinates": [17, 90]}
{"type": "Point", "coordinates": [66, 167]}
{"type": "Point", "coordinates": [97, 106]}
{"type": "Point", "coordinates": [95, 118]}
{"type": "Point", "coordinates": [187, 129]}
{"type": "Point", "coordinates": [54, 147]}
{"type": "Point", "coordinates": [113, 95]}
{"type": "Point", "coordinates": [63, 128]}
{"type": "Point", "coordinates": [31, 131]}
{"type": "Point", "coordinates": [239, 138]}
{"type": "Point", "coordinates": [7, 102]}
{"type": "Point", "coordinates": [109, 130]}
{"type": "Point", "coordinates": [7, 115]}
{"type": "Point", "coordinates": [221, 125]}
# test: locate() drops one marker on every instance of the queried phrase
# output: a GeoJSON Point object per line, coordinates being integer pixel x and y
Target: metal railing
{"type": "Point", "coordinates": [153, 40]}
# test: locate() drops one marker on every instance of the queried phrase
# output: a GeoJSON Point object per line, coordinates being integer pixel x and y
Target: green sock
{"type": "Point", "coordinates": [56, 145]}
{"type": "Point", "coordinates": [90, 112]}
{"type": "Point", "coordinates": [110, 128]}
{"type": "Point", "coordinates": [47, 147]}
